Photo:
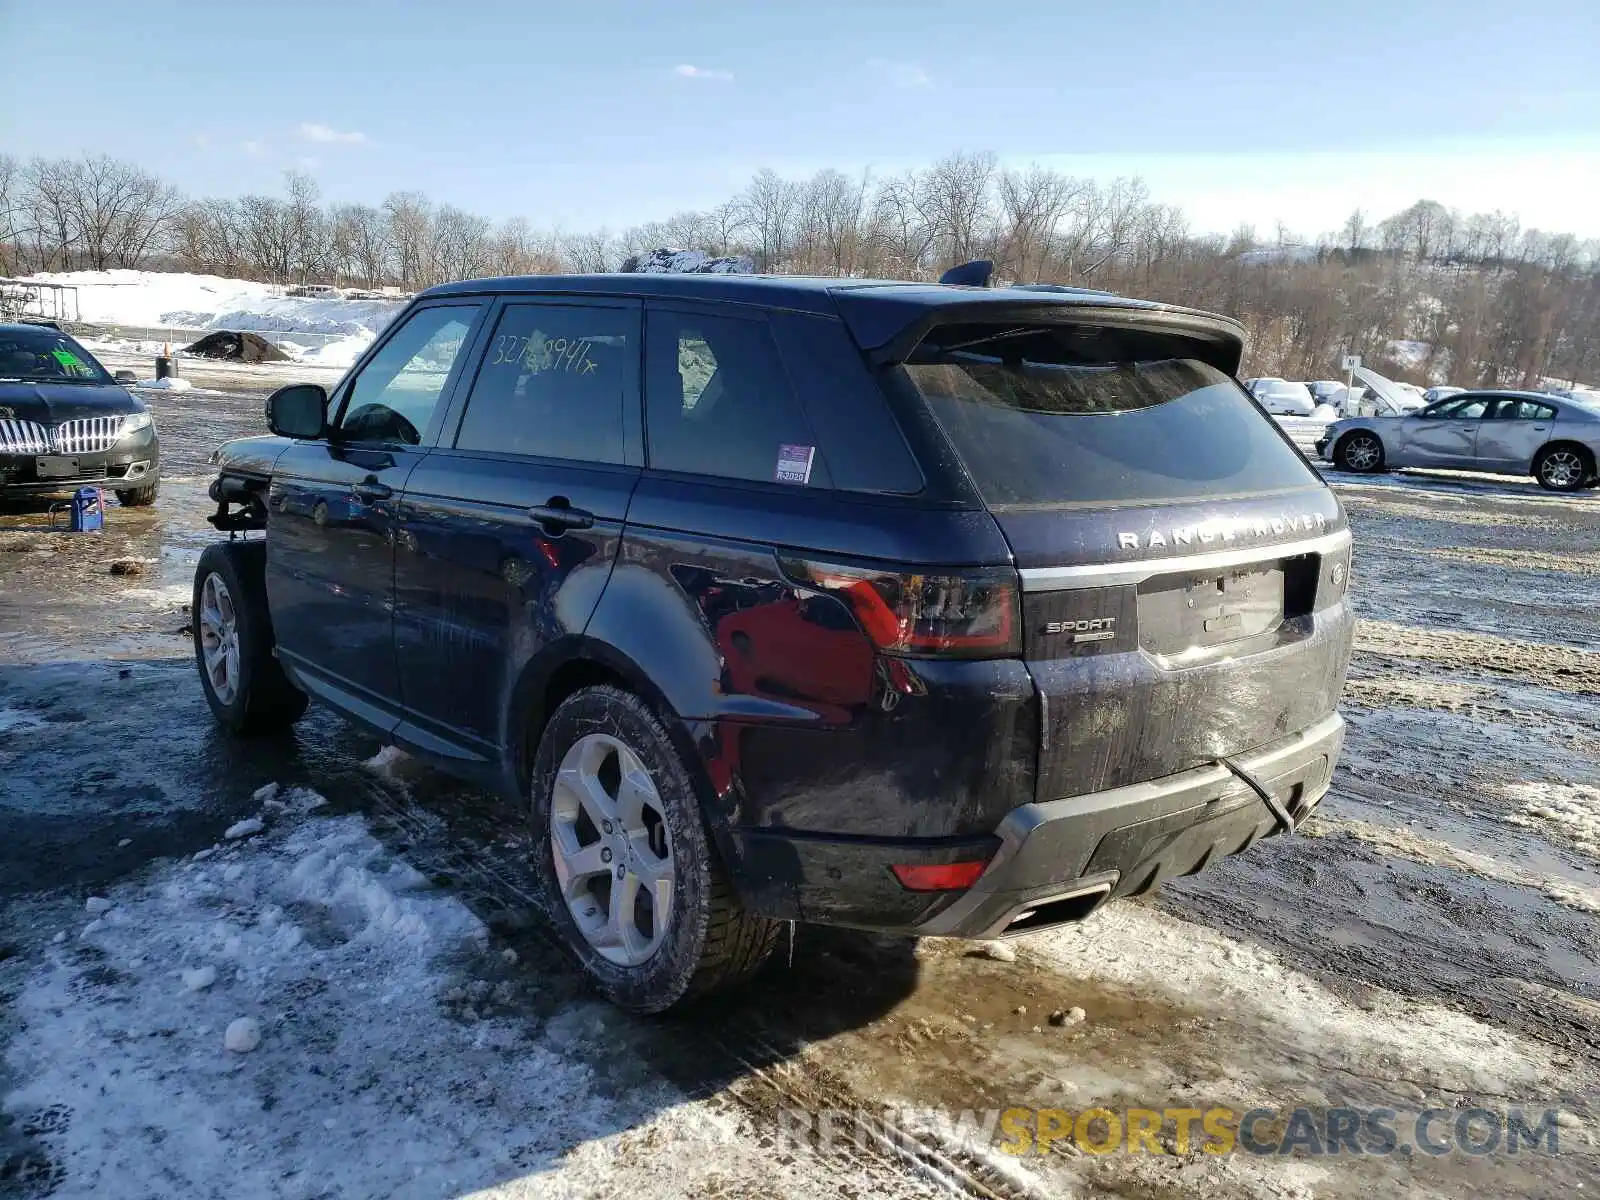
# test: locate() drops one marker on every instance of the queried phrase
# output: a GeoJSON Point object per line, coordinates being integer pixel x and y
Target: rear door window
{"type": "Point", "coordinates": [1522, 410]}
{"type": "Point", "coordinates": [846, 407]}
{"type": "Point", "coordinates": [553, 383]}
{"type": "Point", "coordinates": [718, 402]}
{"type": "Point", "coordinates": [1037, 421]}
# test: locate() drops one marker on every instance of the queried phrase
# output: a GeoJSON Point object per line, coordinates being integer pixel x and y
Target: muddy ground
{"type": "Point", "coordinates": [1432, 939]}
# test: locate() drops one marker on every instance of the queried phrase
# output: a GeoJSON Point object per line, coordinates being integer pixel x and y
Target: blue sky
{"type": "Point", "coordinates": [610, 112]}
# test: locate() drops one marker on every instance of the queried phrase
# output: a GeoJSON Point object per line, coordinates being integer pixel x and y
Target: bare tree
{"type": "Point", "coordinates": [410, 218]}
{"type": "Point", "coordinates": [1033, 204]}
{"type": "Point", "coordinates": [767, 211]}
{"type": "Point", "coordinates": [11, 218]}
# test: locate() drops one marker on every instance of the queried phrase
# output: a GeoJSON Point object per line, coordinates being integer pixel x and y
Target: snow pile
{"type": "Point", "coordinates": [300, 1014]}
{"type": "Point", "coordinates": [294, 316]}
{"type": "Point", "coordinates": [339, 352]}
{"type": "Point", "coordinates": [160, 298]}
{"type": "Point", "coordinates": [171, 383]}
{"type": "Point", "coordinates": [669, 261]}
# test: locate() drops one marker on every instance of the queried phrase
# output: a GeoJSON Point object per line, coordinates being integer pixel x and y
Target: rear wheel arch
{"type": "Point", "coordinates": [1585, 456]}
{"type": "Point", "coordinates": [570, 667]}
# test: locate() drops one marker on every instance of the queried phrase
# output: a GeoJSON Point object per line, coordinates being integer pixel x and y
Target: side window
{"type": "Point", "coordinates": [717, 402]}
{"type": "Point", "coordinates": [553, 383]}
{"type": "Point", "coordinates": [1525, 410]}
{"type": "Point", "coordinates": [394, 397]}
{"type": "Point", "coordinates": [1465, 409]}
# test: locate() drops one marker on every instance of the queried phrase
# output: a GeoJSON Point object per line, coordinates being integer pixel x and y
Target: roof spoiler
{"type": "Point", "coordinates": [1212, 339]}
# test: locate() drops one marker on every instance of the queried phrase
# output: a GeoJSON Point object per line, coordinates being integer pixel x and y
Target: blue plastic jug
{"type": "Point", "coordinates": [88, 509]}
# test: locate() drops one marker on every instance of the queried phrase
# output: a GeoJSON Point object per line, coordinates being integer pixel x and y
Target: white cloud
{"type": "Point", "coordinates": [254, 148]}
{"type": "Point", "coordinates": [315, 132]}
{"type": "Point", "coordinates": [909, 76]}
{"type": "Point", "coordinates": [690, 71]}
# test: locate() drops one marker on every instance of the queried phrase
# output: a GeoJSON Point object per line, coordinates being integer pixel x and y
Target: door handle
{"type": "Point", "coordinates": [558, 516]}
{"type": "Point", "coordinates": [1538, 428]}
{"type": "Point", "coordinates": [371, 490]}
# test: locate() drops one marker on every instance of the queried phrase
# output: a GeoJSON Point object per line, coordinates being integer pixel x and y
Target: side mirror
{"type": "Point", "coordinates": [298, 411]}
{"type": "Point", "coordinates": [125, 377]}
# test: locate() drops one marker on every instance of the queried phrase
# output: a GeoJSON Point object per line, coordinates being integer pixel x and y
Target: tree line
{"type": "Point", "coordinates": [1491, 302]}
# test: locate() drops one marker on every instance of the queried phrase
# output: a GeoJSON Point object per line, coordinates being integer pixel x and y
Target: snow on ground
{"type": "Point", "coordinates": [1571, 812]}
{"type": "Point", "coordinates": [394, 1057]}
{"type": "Point", "coordinates": [1397, 1038]}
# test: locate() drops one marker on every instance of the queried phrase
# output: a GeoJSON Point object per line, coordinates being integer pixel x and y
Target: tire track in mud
{"type": "Point", "coordinates": [1563, 668]}
{"type": "Point", "coordinates": [716, 1051]}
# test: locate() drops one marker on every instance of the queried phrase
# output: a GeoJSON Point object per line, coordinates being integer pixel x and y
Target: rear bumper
{"type": "Point", "coordinates": [1058, 860]}
{"type": "Point", "coordinates": [1048, 862]}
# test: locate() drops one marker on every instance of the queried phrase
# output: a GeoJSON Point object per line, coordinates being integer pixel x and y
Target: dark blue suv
{"type": "Point", "coordinates": [918, 608]}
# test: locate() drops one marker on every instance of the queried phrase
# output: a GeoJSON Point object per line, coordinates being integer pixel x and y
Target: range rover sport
{"type": "Point", "coordinates": [916, 608]}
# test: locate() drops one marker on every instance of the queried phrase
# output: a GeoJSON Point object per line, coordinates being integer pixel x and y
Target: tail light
{"type": "Point", "coordinates": [951, 614]}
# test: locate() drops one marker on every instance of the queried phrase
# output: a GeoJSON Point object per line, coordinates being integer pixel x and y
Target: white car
{"type": "Point", "coordinates": [1282, 398]}
{"type": "Point", "coordinates": [1330, 392]}
{"type": "Point", "coordinates": [1441, 393]}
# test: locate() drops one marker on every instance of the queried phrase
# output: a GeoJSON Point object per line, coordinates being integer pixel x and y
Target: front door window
{"type": "Point", "coordinates": [396, 394]}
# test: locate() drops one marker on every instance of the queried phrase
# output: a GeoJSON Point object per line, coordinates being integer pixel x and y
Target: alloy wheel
{"type": "Point", "coordinates": [1561, 469]}
{"type": "Point", "coordinates": [1362, 453]}
{"type": "Point", "coordinates": [612, 853]}
{"type": "Point", "coordinates": [219, 638]}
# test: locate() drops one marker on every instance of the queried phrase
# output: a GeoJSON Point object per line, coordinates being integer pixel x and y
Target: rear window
{"type": "Point", "coordinates": [1034, 432]}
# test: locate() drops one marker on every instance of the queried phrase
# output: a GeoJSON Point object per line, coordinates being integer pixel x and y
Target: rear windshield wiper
{"type": "Point", "coordinates": [987, 338]}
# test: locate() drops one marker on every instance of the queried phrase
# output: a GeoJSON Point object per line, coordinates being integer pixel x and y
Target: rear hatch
{"type": "Point", "coordinates": [1182, 566]}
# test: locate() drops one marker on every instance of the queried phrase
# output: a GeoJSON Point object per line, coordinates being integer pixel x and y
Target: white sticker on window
{"type": "Point", "coordinates": [794, 464]}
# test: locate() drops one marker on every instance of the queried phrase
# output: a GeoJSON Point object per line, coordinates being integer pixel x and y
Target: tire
{"type": "Point", "coordinates": [247, 690]}
{"type": "Point", "coordinates": [139, 497]}
{"type": "Point", "coordinates": [707, 941]}
{"type": "Point", "coordinates": [1360, 452]}
{"type": "Point", "coordinates": [1563, 467]}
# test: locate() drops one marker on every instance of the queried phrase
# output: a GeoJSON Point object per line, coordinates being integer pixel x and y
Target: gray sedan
{"type": "Point", "coordinates": [1555, 440]}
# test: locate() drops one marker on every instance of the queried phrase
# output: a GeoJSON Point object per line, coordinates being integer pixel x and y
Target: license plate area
{"type": "Point", "coordinates": [1179, 614]}
{"type": "Point", "coordinates": [56, 467]}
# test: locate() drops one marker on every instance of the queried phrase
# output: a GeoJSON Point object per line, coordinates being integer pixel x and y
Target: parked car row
{"type": "Point", "coordinates": [1286, 398]}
